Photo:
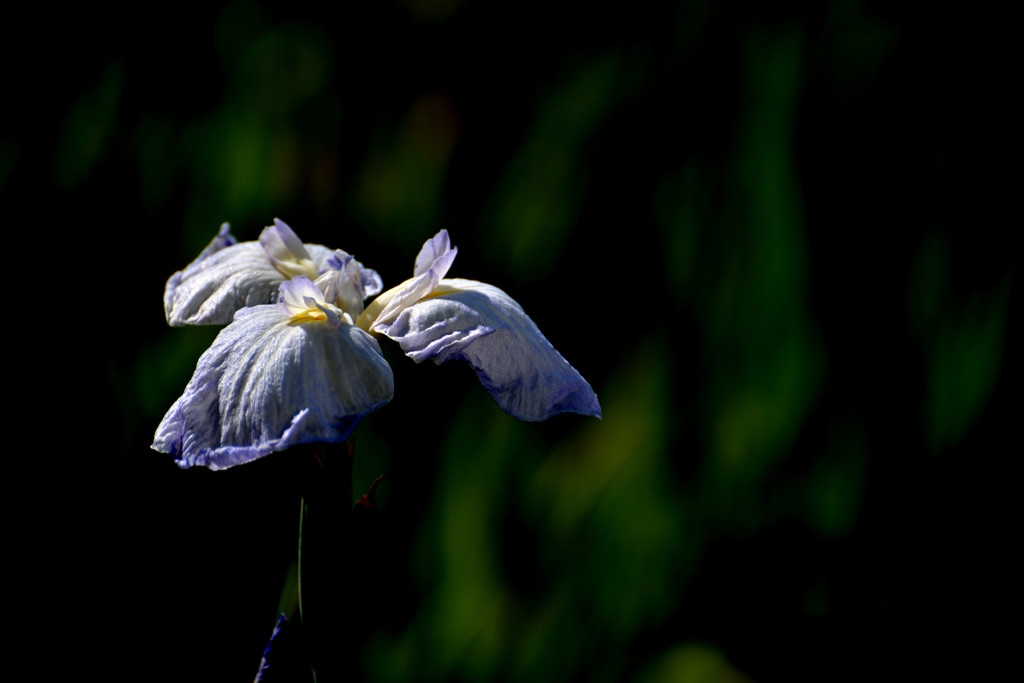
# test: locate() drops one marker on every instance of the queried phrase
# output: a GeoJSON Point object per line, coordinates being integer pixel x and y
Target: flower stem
{"type": "Point", "coordinates": [325, 542]}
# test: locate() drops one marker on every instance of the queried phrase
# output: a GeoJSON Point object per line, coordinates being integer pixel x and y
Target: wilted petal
{"type": "Point", "coordinates": [433, 261]}
{"type": "Point", "coordinates": [482, 325]}
{"type": "Point", "coordinates": [226, 277]}
{"type": "Point", "coordinates": [269, 382]}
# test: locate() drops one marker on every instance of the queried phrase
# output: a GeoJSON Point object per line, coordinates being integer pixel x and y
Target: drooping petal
{"type": "Point", "coordinates": [269, 382]}
{"type": "Point", "coordinates": [432, 263]}
{"type": "Point", "coordinates": [226, 277]}
{"type": "Point", "coordinates": [209, 291]}
{"type": "Point", "coordinates": [480, 324]}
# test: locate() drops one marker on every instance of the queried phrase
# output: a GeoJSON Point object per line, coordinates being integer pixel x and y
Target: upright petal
{"type": "Point", "coordinates": [433, 249]}
{"type": "Point", "coordinates": [285, 251]}
{"type": "Point", "coordinates": [226, 277]}
{"type": "Point", "coordinates": [364, 280]}
{"type": "Point", "coordinates": [480, 324]}
{"type": "Point", "coordinates": [346, 283]}
{"type": "Point", "coordinates": [432, 263]}
{"type": "Point", "coordinates": [269, 382]}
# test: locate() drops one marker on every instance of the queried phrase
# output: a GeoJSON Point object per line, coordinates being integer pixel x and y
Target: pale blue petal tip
{"type": "Point", "coordinates": [539, 397]}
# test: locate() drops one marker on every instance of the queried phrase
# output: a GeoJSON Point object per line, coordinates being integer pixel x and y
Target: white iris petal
{"type": "Point", "coordinates": [229, 276]}
{"type": "Point", "coordinates": [267, 384]}
{"type": "Point", "coordinates": [483, 326]}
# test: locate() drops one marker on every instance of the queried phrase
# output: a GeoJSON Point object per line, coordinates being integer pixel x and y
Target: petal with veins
{"type": "Point", "coordinates": [267, 384]}
{"type": "Point", "coordinates": [480, 324]}
{"type": "Point", "coordinates": [226, 277]}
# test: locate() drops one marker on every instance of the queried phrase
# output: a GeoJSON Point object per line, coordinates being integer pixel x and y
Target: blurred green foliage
{"type": "Point", "coordinates": [746, 229]}
{"type": "Point", "coordinates": [537, 201]}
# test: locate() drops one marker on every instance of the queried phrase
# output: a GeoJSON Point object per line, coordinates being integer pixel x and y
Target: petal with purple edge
{"type": "Point", "coordinates": [480, 324]}
{"type": "Point", "coordinates": [266, 384]}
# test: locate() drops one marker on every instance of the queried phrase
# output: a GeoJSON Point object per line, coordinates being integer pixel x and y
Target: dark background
{"type": "Point", "coordinates": [774, 239]}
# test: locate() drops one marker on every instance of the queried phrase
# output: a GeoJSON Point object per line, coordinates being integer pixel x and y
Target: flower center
{"type": "Point", "coordinates": [304, 303]}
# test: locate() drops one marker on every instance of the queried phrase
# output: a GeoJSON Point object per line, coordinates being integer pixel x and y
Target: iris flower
{"type": "Point", "coordinates": [280, 374]}
{"type": "Point", "coordinates": [298, 362]}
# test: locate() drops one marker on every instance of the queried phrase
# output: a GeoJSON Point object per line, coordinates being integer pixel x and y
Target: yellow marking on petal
{"type": "Point", "coordinates": [370, 313]}
{"type": "Point", "coordinates": [292, 268]}
{"type": "Point", "coordinates": [315, 315]}
{"type": "Point", "coordinates": [312, 315]}
{"type": "Point", "coordinates": [307, 317]}
{"type": "Point", "coordinates": [443, 287]}
{"type": "Point", "coordinates": [373, 311]}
